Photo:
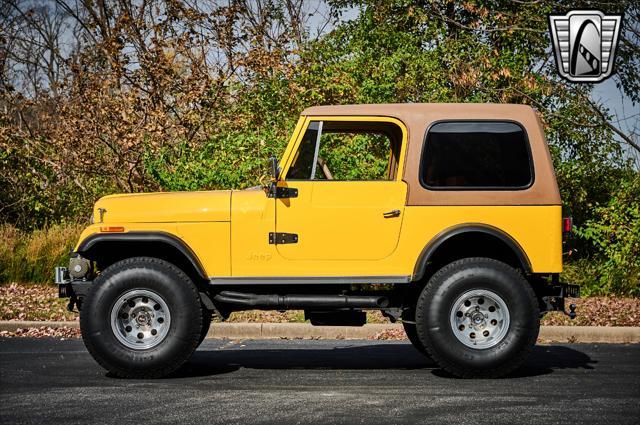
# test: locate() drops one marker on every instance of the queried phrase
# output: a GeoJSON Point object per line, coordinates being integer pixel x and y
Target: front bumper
{"type": "Point", "coordinates": [70, 288]}
{"type": "Point", "coordinates": [62, 275]}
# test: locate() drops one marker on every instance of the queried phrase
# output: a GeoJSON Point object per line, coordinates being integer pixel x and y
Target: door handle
{"type": "Point", "coordinates": [392, 213]}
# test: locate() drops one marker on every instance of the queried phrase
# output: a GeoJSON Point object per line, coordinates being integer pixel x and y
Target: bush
{"type": "Point", "coordinates": [614, 231]}
{"type": "Point", "coordinates": [230, 160]}
{"type": "Point", "coordinates": [32, 256]}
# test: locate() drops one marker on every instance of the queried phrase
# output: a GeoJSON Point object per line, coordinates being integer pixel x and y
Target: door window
{"type": "Point", "coordinates": [347, 150]}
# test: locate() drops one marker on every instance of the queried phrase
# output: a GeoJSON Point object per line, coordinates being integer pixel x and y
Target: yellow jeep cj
{"type": "Point", "coordinates": [445, 217]}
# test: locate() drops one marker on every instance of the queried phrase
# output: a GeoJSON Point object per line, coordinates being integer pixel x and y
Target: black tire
{"type": "Point", "coordinates": [184, 329]}
{"type": "Point", "coordinates": [206, 324]}
{"type": "Point", "coordinates": [412, 335]}
{"type": "Point", "coordinates": [409, 325]}
{"type": "Point", "coordinates": [435, 309]}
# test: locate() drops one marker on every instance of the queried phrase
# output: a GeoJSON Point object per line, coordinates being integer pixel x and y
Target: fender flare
{"type": "Point", "coordinates": [443, 236]}
{"type": "Point", "coordinates": [97, 239]}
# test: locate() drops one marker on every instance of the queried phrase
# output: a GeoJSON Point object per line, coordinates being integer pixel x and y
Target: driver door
{"type": "Point", "coordinates": [350, 197]}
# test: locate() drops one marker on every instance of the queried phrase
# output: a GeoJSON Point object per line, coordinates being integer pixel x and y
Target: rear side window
{"type": "Point", "coordinates": [476, 155]}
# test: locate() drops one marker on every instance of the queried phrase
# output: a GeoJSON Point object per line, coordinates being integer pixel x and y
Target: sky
{"type": "Point", "coordinates": [618, 104]}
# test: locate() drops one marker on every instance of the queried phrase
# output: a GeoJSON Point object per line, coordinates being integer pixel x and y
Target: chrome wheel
{"type": "Point", "coordinates": [480, 319]}
{"type": "Point", "coordinates": [140, 319]}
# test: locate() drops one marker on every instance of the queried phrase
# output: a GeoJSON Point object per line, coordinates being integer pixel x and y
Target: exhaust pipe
{"type": "Point", "coordinates": [300, 302]}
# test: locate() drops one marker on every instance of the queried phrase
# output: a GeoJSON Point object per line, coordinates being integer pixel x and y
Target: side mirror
{"type": "Point", "coordinates": [274, 168]}
{"type": "Point", "coordinates": [270, 188]}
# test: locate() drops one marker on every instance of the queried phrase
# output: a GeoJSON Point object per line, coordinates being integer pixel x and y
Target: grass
{"type": "Point", "coordinates": [32, 256]}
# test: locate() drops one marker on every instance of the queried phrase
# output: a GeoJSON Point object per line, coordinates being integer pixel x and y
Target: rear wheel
{"type": "Point", "coordinates": [478, 317]}
{"type": "Point", "coordinates": [142, 318]}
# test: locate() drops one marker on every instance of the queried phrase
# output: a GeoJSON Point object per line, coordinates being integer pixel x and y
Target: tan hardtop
{"type": "Point", "coordinates": [400, 110]}
{"type": "Point", "coordinates": [418, 117]}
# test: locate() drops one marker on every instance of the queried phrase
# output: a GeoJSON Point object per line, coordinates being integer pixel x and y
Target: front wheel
{"type": "Point", "coordinates": [478, 317]}
{"type": "Point", "coordinates": [412, 334]}
{"type": "Point", "coordinates": [409, 325]}
{"type": "Point", "coordinates": [142, 318]}
{"type": "Point", "coordinates": [207, 316]}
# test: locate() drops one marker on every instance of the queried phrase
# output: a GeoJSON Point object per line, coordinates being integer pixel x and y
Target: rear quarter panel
{"type": "Point", "coordinates": [535, 228]}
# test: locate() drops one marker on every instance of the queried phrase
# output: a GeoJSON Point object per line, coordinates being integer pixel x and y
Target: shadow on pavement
{"type": "Point", "coordinates": [543, 360]}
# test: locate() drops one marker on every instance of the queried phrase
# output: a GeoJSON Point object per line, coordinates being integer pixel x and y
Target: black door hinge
{"type": "Point", "coordinates": [282, 192]}
{"type": "Point", "coordinates": [278, 238]}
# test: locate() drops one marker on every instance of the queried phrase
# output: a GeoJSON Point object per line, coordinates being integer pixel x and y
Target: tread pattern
{"type": "Point", "coordinates": [192, 340]}
{"type": "Point", "coordinates": [454, 368]}
{"type": "Point", "coordinates": [412, 335]}
{"type": "Point", "coordinates": [207, 316]}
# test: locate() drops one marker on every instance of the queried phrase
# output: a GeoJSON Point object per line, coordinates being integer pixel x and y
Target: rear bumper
{"type": "Point", "coordinates": [570, 291]}
{"type": "Point", "coordinates": [554, 294]}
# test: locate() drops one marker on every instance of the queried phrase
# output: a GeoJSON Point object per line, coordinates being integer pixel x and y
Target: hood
{"type": "Point", "coordinates": [165, 207]}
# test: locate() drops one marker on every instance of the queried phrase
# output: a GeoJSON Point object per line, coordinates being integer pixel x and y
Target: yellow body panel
{"type": "Point", "coordinates": [252, 218]}
{"type": "Point", "coordinates": [165, 207]}
{"type": "Point", "coordinates": [534, 228]}
{"type": "Point", "coordinates": [253, 256]}
{"type": "Point", "coordinates": [341, 220]}
{"type": "Point", "coordinates": [340, 225]}
{"type": "Point", "coordinates": [208, 240]}
{"type": "Point", "coordinates": [171, 228]}
{"type": "Point", "coordinates": [211, 243]}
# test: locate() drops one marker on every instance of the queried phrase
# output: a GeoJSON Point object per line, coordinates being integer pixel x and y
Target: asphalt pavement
{"type": "Point", "coordinates": [322, 381]}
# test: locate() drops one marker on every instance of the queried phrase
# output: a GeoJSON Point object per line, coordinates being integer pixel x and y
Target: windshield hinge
{"type": "Point", "coordinates": [282, 192]}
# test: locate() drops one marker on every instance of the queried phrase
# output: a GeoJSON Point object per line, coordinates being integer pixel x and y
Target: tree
{"type": "Point", "coordinates": [140, 95]}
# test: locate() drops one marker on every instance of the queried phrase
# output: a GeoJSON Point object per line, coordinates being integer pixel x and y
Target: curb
{"type": "Point", "coordinates": [296, 331]}
{"type": "Point", "coordinates": [584, 334]}
{"type": "Point", "coordinates": [13, 325]}
{"type": "Point", "coordinates": [591, 334]}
